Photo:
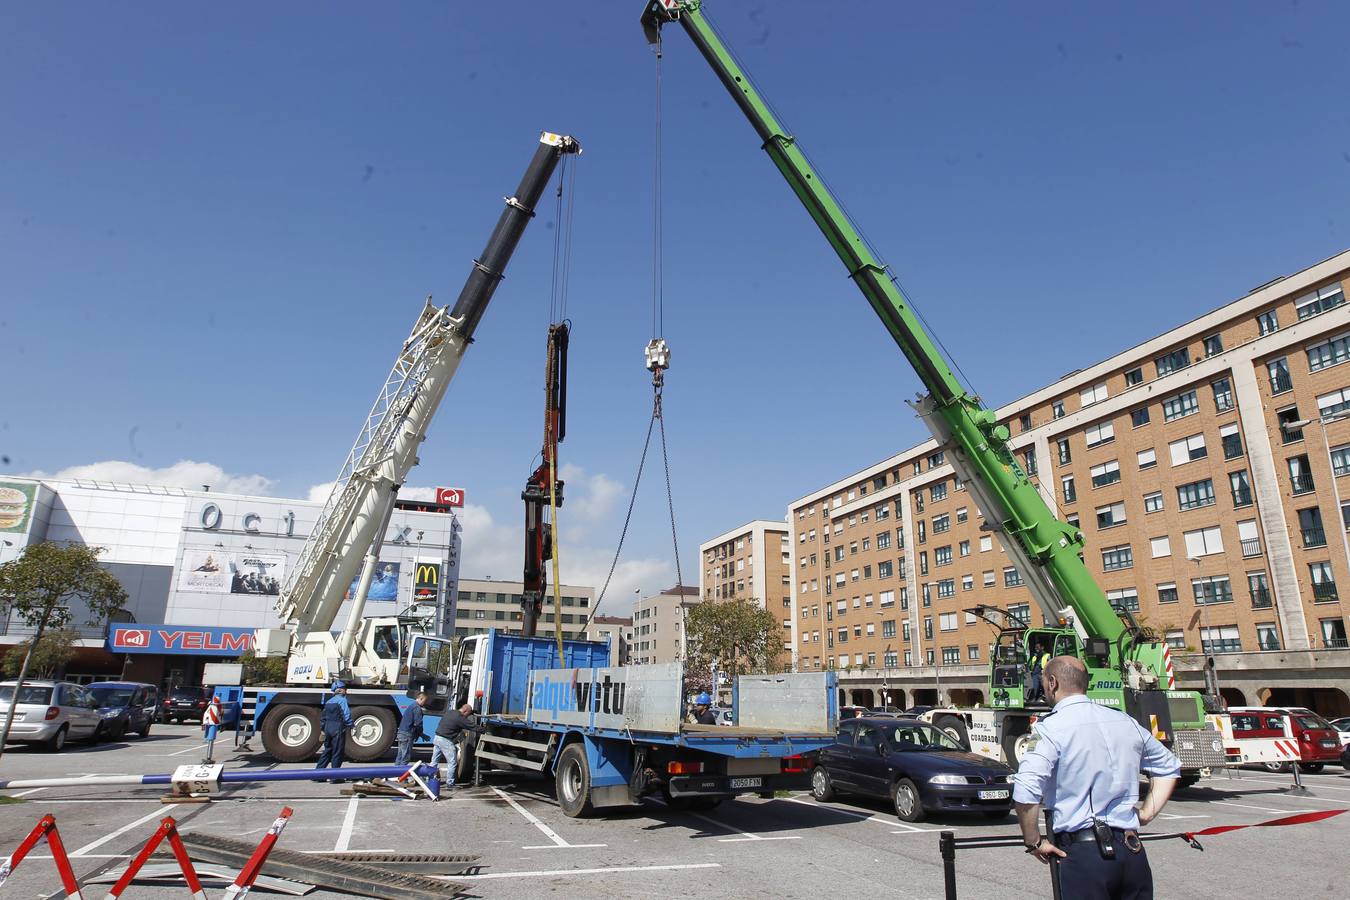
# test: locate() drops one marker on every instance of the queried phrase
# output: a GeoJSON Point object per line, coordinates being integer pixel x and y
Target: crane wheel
{"type": "Point", "coordinates": [372, 733]}
{"type": "Point", "coordinates": [291, 733]}
{"type": "Point", "coordinates": [954, 728]}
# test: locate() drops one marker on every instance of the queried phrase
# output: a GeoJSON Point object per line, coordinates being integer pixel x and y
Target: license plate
{"type": "Point", "coordinates": [1329, 743]}
{"type": "Point", "coordinates": [746, 783]}
{"type": "Point", "coordinates": [994, 795]}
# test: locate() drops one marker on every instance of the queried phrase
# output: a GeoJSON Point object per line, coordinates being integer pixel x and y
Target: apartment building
{"type": "Point", "coordinates": [1205, 468]}
{"type": "Point", "coordinates": [658, 626]}
{"type": "Point", "coordinates": [753, 561]}
{"type": "Point", "coordinates": [618, 630]}
{"type": "Point", "coordinates": [485, 604]}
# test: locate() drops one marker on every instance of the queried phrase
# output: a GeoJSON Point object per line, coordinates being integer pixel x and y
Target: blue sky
{"type": "Point", "coordinates": [217, 224]}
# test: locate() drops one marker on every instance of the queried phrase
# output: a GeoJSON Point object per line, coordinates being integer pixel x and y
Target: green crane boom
{"type": "Point", "coordinates": [957, 417]}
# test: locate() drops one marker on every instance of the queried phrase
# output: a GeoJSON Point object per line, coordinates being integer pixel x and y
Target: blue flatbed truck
{"type": "Point", "coordinates": [611, 735]}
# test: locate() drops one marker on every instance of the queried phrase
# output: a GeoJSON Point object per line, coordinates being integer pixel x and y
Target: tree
{"type": "Point", "coordinates": [263, 669]}
{"type": "Point", "coordinates": [51, 654]}
{"type": "Point", "coordinates": [736, 635]}
{"type": "Point", "coordinates": [39, 586]}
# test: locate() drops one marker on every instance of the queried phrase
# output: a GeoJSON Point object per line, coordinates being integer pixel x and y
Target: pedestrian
{"type": "Point", "coordinates": [454, 723]}
{"type": "Point", "coordinates": [702, 713]}
{"type": "Point", "coordinates": [335, 721]}
{"type": "Point", "coordinates": [211, 728]}
{"type": "Point", "coordinates": [1085, 768]}
{"type": "Point", "coordinates": [410, 729]}
{"type": "Point", "coordinates": [1037, 660]}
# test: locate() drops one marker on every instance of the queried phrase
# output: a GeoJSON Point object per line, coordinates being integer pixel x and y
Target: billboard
{"type": "Point", "coordinates": [383, 584]}
{"type": "Point", "coordinates": [426, 581]}
{"type": "Point", "coordinates": [190, 640]}
{"type": "Point", "coordinates": [16, 506]}
{"type": "Point", "coordinates": [216, 571]}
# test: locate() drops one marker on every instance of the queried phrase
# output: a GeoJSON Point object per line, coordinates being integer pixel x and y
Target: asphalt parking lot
{"type": "Point", "coordinates": [785, 847]}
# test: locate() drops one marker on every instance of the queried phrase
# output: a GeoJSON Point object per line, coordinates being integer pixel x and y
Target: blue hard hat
{"type": "Point", "coordinates": [703, 700]}
{"type": "Point", "coordinates": [336, 685]}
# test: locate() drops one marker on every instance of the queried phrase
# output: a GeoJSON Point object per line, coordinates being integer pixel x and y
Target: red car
{"type": "Point", "coordinates": [1314, 737]}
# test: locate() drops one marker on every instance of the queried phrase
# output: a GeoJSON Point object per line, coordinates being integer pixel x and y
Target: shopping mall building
{"type": "Point", "coordinates": [202, 569]}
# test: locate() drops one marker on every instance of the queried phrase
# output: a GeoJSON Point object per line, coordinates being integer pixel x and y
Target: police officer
{"type": "Point", "coordinates": [335, 721]}
{"type": "Point", "coordinates": [1085, 768]}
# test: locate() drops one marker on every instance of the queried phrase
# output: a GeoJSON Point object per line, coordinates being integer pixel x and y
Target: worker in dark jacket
{"type": "Point", "coordinates": [454, 723]}
{"type": "Point", "coordinates": [335, 721]}
{"type": "Point", "coordinates": [702, 712]}
{"type": "Point", "coordinates": [410, 729]}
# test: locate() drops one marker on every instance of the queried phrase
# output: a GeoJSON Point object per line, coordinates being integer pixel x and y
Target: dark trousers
{"type": "Point", "coordinates": [334, 745]}
{"type": "Point", "coordinates": [1085, 875]}
{"type": "Point", "coordinates": [1033, 685]}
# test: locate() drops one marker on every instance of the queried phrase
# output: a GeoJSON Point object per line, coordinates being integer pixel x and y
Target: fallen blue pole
{"type": "Point", "coordinates": [234, 776]}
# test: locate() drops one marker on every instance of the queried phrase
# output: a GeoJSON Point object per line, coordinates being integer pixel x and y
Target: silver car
{"type": "Point", "coordinates": [51, 713]}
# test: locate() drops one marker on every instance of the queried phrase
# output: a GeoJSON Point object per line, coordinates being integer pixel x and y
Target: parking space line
{"type": "Point", "coordinates": [909, 829]}
{"type": "Point", "coordinates": [534, 820]}
{"type": "Point", "coordinates": [119, 832]}
{"type": "Point", "coordinates": [553, 873]}
{"type": "Point", "coordinates": [29, 791]}
{"type": "Point", "coordinates": [1262, 808]}
{"type": "Point", "coordinates": [1317, 784]}
{"type": "Point", "coordinates": [188, 750]}
{"type": "Point", "coordinates": [348, 823]}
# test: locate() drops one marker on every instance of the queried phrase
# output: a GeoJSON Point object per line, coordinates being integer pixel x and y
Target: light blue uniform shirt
{"type": "Point", "coordinates": [1087, 762]}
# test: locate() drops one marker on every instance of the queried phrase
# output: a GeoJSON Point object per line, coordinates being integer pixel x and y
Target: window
{"type": "Point", "coordinates": [1241, 488]}
{"type": "Point", "coordinates": [1212, 589]}
{"type": "Point", "coordinates": [963, 548]}
{"type": "Point", "coordinates": [1124, 598]}
{"type": "Point", "coordinates": [928, 627]}
{"type": "Point", "coordinates": [888, 628]}
{"type": "Point", "coordinates": [1101, 433]}
{"type": "Point", "coordinates": [1223, 395]}
{"type": "Point", "coordinates": [1290, 432]}
{"type": "Point", "coordinates": [1188, 449]}
{"type": "Point", "coordinates": [1213, 345]}
{"type": "Point", "coordinates": [1147, 458]}
{"type": "Point", "coordinates": [1231, 440]}
{"type": "Point", "coordinates": [1196, 494]}
{"type": "Point", "coordinates": [1267, 637]}
{"type": "Point", "coordinates": [947, 621]}
{"type": "Point", "coordinates": [1057, 409]}
{"type": "Point", "coordinates": [1024, 421]}
{"type": "Point", "coordinates": [1011, 577]}
{"type": "Point", "coordinates": [1095, 394]}
{"type": "Point", "coordinates": [918, 500]}
{"type": "Point", "coordinates": [1333, 633]}
{"type": "Point", "coordinates": [1319, 301]}
{"type": "Point", "coordinates": [1203, 542]}
{"type": "Point", "coordinates": [1180, 406]}
{"type": "Point", "coordinates": [1310, 525]}
{"type": "Point", "coordinates": [1267, 322]}
{"type": "Point", "coordinates": [1260, 590]}
{"type": "Point", "coordinates": [951, 656]}
{"type": "Point", "coordinates": [946, 587]}
{"type": "Point", "coordinates": [1334, 403]}
{"type": "Point", "coordinates": [883, 540]}
{"type": "Point", "coordinates": [1300, 476]}
{"type": "Point", "coordinates": [1221, 639]}
{"type": "Point", "coordinates": [967, 582]}
{"type": "Point", "coordinates": [938, 491]}
{"type": "Point", "coordinates": [923, 562]}
{"type": "Point", "coordinates": [1111, 516]}
{"type": "Point", "coordinates": [1139, 417]}
{"type": "Point", "coordinates": [942, 556]}
{"type": "Point", "coordinates": [1134, 376]}
{"type": "Point", "coordinates": [1176, 639]}
{"type": "Point", "coordinates": [1070, 493]}
{"type": "Point", "coordinates": [1323, 582]}
{"type": "Point", "coordinates": [962, 514]}
{"type": "Point", "coordinates": [986, 543]}
{"type": "Point", "coordinates": [1029, 461]}
{"type": "Point", "coordinates": [884, 569]}
{"type": "Point", "coordinates": [1064, 454]}
{"type": "Point", "coordinates": [1167, 592]}
{"type": "Point", "coordinates": [1280, 380]}
{"type": "Point", "coordinates": [989, 579]}
{"type": "Point", "coordinates": [1160, 546]}
{"type": "Point", "coordinates": [937, 459]}
{"type": "Point", "coordinates": [973, 651]}
{"type": "Point", "coordinates": [1020, 612]}
{"type": "Point", "coordinates": [942, 523]}
{"type": "Point", "coordinates": [1105, 473]}
{"type": "Point", "coordinates": [1170, 362]}
{"type": "Point", "coordinates": [886, 598]}
{"type": "Point", "coordinates": [1115, 558]}
{"type": "Point", "coordinates": [1153, 502]}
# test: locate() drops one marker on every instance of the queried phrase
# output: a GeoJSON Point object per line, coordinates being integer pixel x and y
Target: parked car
{"type": "Point", "coordinates": [1318, 742]}
{"type": "Point", "coordinates": [1342, 726]}
{"type": "Point", "coordinates": [185, 704]}
{"type": "Point", "coordinates": [50, 713]}
{"type": "Point", "coordinates": [914, 765]}
{"type": "Point", "coordinates": [851, 712]}
{"type": "Point", "coordinates": [723, 715]}
{"type": "Point", "coordinates": [1345, 757]}
{"type": "Point", "coordinates": [126, 706]}
{"type": "Point", "coordinates": [917, 711]}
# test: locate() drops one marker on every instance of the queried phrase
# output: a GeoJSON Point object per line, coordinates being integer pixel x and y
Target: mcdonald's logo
{"type": "Point", "coordinates": [426, 580]}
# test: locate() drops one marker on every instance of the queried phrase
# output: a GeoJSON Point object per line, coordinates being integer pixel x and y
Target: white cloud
{"type": "Point", "coordinates": [186, 474]}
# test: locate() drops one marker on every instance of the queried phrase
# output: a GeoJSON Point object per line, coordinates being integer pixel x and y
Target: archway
{"type": "Point", "coordinates": [1329, 702]}
{"type": "Point", "coordinates": [893, 698]}
{"type": "Point", "coordinates": [925, 697]}
{"type": "Point", "coordinates": [1233, 697]}
{"type": "Point", "coordinates": [862, 697]}
{"type": "Point", "coordinates": [967, 697]}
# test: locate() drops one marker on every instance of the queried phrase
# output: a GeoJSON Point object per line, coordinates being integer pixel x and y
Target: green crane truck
{"type": "Point", "coordinates": [1126, 663]}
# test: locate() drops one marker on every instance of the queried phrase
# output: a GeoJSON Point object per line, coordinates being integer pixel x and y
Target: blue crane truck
{"type": "Point", "coordinates": [611, 735]}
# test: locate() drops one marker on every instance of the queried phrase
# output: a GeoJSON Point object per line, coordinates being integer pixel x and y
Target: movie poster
{"type": "Point", "coordinates": [16, 506]}
{"type": "Point", "coordinates": [257, 573]}
{"type": "Point", "coordinates": [205, 571]}
{"type": "Point", "coordinates": [383, 585]}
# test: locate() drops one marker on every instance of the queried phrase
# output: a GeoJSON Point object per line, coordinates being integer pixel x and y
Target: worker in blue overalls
{"type": "Point", "coordinates": [335, 721]}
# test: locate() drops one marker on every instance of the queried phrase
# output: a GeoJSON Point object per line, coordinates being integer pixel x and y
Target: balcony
{"type": "Point", "coordinates": [1303, 484]}
{"type": "Point", "coordinates": [1251, 547]}
{"type": "Point", "coordinates": [1242, 498]}
{"type": "Point", "coordinates": [1261, 598]}
{"type": "Point", "coordinates": [1324, 591]}
{"type": "Point", "coordinates": [1335, 643]}
{"type": "Point", "coordinates": [1314, 536]}
{"type": "Point", "coordinates": [1280, 382]}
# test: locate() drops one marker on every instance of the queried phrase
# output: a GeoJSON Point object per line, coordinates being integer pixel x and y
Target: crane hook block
{"type": "Point", "coordinates": [658, 355]}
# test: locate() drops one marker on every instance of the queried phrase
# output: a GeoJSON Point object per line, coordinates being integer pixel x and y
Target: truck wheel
{"type": "Point", "coordinates": [1277, 767]}
{"type": "Point", "coordinates": [908, 805]}
{"type": "Point", "coordinates": [821, 787]}
{"type": "Point", "coordinates": [954, 728]}
{"type": "Point", "coordinates": [291, 734]}
{"type": "Point", "coordinates": [464, 762]}
{"type": "Point", "coordinates": [372, 733]}
{"type": "Point", "coordinates": [573, 782]}
{"type": "Point", "coordinates": [1015, 747]}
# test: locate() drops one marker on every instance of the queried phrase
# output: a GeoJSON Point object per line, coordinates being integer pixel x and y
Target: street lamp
{"type": "Point", "coordinates": [1211, 672]}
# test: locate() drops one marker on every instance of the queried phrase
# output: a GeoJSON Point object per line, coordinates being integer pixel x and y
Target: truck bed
{"type": "Point", "coordinates": [726, 740]}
